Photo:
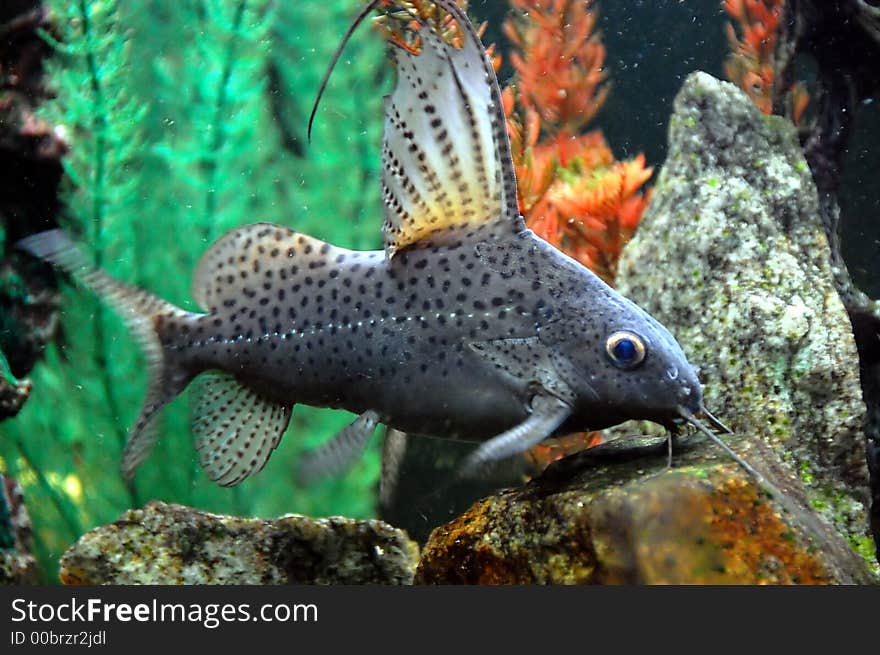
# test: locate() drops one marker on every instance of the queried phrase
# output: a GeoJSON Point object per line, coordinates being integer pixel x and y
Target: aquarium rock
{"type": "Point", "coordinates": [174, 544]}
{"type": "Point", "coordinates": [17, 564]}
{"type": "Point", "coordinates": [732, 257]}
{"type": "Point", "coordinates": [616, 514]}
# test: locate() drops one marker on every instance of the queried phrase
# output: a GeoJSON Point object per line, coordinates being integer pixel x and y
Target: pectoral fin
{"type": "Point", "coordinates": [341, 452]}
{"type": "Point", "coordinates": [526, 360]}
{"type": "Point", "coordinates": [548, 413]}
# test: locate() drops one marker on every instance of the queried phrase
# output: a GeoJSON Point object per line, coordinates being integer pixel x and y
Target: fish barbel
{"type": "Point", "coordinates": [467, 325]}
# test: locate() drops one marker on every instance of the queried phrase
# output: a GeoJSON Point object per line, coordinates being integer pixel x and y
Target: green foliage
{"type": "Point", "coordinates": [5, 371]}
{"type": "Point", "coordinates": [187, 118]}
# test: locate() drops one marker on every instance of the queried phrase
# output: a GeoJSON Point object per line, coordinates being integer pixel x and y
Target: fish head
{"type": "Point", "coordinates": [622, 364]}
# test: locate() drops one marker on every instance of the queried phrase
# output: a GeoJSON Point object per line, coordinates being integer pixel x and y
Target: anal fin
{"type": "Point", "coordinates": [341, 452]}
{"type": "Point", "coordinates": [235, 428]}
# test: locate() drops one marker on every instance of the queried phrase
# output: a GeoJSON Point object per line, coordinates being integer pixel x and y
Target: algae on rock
{"type": "Point", "coordinates": [173, 544]}
{"type": "Point", "coordinates": [615, 514]}
{"type": "Point", "coordinates": [732, 257]}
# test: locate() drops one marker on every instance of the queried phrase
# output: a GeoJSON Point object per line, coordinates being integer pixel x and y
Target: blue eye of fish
{"type": "Point", "coordinates": [626, 350]}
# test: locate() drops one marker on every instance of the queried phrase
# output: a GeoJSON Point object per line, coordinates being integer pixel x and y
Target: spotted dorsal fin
{"type": "Point", "coordinates": [447, 172]}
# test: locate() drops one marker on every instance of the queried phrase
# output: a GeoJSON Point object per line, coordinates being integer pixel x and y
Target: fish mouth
{"type": "Point", "coordinates": [687, 416]}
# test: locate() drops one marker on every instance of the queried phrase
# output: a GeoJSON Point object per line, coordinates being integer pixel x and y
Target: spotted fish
{"type": "Point", "coordinates": [466, 326]}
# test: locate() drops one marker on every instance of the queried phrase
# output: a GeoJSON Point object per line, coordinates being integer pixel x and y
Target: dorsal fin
{"type": "Point", "coordinates": [238, 263]}
{"type": "Point", "coordinates": [447, 172]}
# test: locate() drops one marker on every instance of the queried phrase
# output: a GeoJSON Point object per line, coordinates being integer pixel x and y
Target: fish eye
{"type": "Point", "coordinates": [625, 349]}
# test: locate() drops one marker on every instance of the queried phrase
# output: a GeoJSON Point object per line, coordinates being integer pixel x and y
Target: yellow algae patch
{"type": "Point", "coordinates": [706, 524]}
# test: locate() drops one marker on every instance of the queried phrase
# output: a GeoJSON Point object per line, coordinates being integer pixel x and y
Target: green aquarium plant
{"type": "Point", "coordinates": [186, 119]}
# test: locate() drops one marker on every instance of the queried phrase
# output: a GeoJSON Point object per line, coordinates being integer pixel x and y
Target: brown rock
{"type": "Point", "coordinates": [174, 544]}
{"type": "Point", "coordinates": [617, 515]}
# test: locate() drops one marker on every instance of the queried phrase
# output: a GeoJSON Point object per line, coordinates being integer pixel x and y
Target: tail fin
{"type": "Point", "coordinates": [139, 310]}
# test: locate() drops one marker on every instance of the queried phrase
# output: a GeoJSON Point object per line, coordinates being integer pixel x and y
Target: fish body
{"type": "Point", "coordinates": [417, 337]}
{"type": "Point", "coordinates": [466, 325]}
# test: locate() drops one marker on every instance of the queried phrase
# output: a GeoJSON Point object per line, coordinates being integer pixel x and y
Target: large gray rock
{"type": "Point", "coordinates": [731, 256]}
{"type": "Point", "coordinates": [174, 544]}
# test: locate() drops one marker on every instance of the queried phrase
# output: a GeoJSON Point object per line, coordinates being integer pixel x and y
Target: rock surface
{"type": "Point", "coordinates": [732, 257]}
{"type": "Point", "coordinates": [172, 544]}
{"type": "Point", "coordinates": [617, 515]}
{"type": "Point", "coordinates": [17, 564]}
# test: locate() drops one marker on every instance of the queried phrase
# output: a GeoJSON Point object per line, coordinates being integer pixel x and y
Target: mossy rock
{"type": "Point", "coordinates": [732, 257]}
{"type": "Point", "coordinates": [174, 544]}
{"type": "Point", "coordinates": [617, 515]}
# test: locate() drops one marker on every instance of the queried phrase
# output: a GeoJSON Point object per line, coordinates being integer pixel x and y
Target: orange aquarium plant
{"type": "Point", "coordinates": [400, 22]}
{"type": "Point", "coordinates": [752, 62]}
{"type": "Point", "coordinates": [572, 191]}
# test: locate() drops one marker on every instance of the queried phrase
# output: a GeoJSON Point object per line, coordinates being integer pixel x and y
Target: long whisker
{"type": "Point", "coordinates": [689, 417]}
{"type": "Point", "coordinates": [336, 56]}
{"type": "Point", "coordinates": [713, 421]}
